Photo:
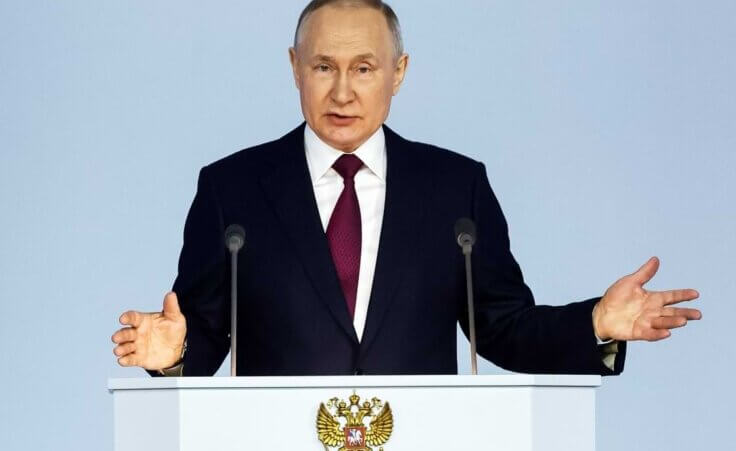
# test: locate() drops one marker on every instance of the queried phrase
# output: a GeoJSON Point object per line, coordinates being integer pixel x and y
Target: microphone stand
{"type": "Point", "coordinates": [234, 241]}
{"type": "Point", "coordinates": [467, 250]}
{"type": "Point", "coordinates": [465, 235]}
{"type": "Point", "coordinates": [233, 311]}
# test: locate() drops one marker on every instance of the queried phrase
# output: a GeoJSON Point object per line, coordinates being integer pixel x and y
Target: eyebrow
{"type": "Point", "coordinates": [329, 59]}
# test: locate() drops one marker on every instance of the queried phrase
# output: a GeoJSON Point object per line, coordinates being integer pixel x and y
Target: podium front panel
{"type": "Point", "coordinates": [514, 413]}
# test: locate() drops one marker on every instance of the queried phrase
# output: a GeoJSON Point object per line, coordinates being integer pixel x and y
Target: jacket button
{"type": "Point", "coordinates": [358, 372]}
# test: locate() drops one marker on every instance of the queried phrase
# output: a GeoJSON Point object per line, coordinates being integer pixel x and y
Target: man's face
{"type": "Point", "coordinates": [346, 69]}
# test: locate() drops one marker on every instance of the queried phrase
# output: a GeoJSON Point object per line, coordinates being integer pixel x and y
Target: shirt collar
{"type": "Point", "coordinates": [321, 156]}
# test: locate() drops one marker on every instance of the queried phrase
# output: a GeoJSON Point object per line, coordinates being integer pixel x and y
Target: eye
{"type": "Point", "coordinates": [364, 70]}
{"type": "Point", "coordinates": [323, 68]}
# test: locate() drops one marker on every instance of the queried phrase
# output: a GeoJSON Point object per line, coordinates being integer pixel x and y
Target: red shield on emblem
{"type": "Point", "coordinates": [354, 437]}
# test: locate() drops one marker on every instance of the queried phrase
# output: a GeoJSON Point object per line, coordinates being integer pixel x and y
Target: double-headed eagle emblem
{"type": "Point", "coordinates": [343, 425]}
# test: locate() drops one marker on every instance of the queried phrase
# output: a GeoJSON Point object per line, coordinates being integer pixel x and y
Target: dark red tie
{"type": "Point", "coordinates": [343, 230]}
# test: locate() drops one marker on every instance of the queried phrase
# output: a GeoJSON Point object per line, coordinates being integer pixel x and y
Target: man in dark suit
{"type": "Point", "coordinates": [351, 266]}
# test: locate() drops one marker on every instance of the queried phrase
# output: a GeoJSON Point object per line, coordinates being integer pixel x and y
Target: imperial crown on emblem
{"type": "Point", "coordinates": [342, 426]}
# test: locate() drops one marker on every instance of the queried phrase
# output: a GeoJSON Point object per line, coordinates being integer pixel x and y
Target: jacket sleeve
{"type": "Point", "coordinates": [511, 330]}
{"type": "Point", "coordinates": [201, 284]}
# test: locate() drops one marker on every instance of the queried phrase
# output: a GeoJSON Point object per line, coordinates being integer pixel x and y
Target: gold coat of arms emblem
{"type": "Point", "coordinates": [354, 426]}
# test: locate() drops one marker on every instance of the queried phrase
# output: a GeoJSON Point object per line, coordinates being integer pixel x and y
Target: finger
{"type": "Point", "coordinates": [668, 322]}
{"type": "Point", "coordinates": [657, 334]}
{"type": "Point", "coordinates": [124, 349]}
{"type": "Point", "coordinates": [128, 360]}
{"type": "Point", "coordinates": [675, 296]}
{"type": "Point", "coordinates": [124, 335]}
{"type": "Point", "coordinates": [171, 304]}
{"type": "Point", "coordinates": [131, 318]}
{"type": "Point", "coordinates": [647, 271]}
{"type": "Point", "coordinates": [689, 313]}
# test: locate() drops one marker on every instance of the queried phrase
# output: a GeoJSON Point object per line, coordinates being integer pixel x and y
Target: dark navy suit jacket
{"type": "Point", "coordinates": [292, 317]}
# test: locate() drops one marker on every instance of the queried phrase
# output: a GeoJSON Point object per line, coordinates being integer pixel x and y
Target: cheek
{"type": "Point", "coordinates": [390, 86]}
{"type": "Point", "coordinates": [314, 90]}
{"type": "Point", "coordinates": [314, 104]}
{"type": "Point", "coordinates": [376, 97]}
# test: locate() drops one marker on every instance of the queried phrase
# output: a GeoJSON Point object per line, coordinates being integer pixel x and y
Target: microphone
{"type": "Point", "coordinates": [465, 236]}
{"type": "Point", "coordinates": [234, 241]}
{"type": "Point", "coordinates": [234, 237]}
{"type": "Point", "coordinates": [465, 233]}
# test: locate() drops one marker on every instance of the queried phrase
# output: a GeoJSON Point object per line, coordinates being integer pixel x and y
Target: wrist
{"type": "Point", "coordinates": [600, 334]}
{"type": "Point", "coordinates": [183, 350]}
{"type": "Point", "coordinates": [173, 371]}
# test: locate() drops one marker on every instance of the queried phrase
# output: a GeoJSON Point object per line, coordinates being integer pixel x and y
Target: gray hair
{"type": "Point", "coordinates": [388, 13]}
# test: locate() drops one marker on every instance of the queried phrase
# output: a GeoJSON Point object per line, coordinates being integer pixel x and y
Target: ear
{"type": "Point", "coordinates": [294, 66]}
{"type": "Point", "coordinates": [401, 65]}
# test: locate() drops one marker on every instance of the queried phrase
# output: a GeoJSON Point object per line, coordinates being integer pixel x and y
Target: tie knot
{"type": "Point", "coordinates": [347, 165]}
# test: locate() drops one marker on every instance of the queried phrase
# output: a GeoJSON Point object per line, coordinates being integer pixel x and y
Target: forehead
{"type": "Point", "coordinates": [346, 30]}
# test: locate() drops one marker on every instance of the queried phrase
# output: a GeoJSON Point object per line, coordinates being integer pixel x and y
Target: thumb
{"type": "Point", "coordinates": [171, 305]}
{"type": "Point", "coordinates": [647, 271]}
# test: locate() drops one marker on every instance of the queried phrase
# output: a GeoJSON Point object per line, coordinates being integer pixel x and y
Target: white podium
{"type": "Point", "coordinates": [499, 413]}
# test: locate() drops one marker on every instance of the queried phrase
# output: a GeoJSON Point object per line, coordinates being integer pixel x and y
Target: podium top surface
{"type": "Point", "coordinates": [511, 380]}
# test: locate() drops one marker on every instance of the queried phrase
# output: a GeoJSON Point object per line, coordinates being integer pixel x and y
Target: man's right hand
{"type": "Point", "coordinates": [155, 340]}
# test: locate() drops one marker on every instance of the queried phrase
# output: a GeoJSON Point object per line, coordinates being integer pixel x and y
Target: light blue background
{"type": "Point", "coordinates": [608, 130]}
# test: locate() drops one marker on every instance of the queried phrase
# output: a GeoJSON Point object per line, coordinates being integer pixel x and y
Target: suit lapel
{"type": "Point", "coordinates": [405, 187]}
{"type": "Point", "coordinates": [289, 190]}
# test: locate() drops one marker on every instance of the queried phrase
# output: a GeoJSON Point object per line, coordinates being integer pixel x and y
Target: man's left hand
{"type": "Point", "coordinates": [629, 312]}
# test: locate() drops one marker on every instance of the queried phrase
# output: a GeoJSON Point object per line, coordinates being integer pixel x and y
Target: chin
{"type": "Point", "coordinates": [343, 139]}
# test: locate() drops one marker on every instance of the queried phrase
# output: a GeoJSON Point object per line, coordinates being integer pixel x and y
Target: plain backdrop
{"type": "Point", "coordinates": [607, 128]}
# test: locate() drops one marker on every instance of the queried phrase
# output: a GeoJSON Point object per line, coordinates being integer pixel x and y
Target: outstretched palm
{"type": "Point", "coordinates": [154, 340]}
{"type": "Point", "coordinates": [627, 311]}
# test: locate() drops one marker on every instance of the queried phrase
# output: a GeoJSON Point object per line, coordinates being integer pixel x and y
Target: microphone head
{"type": "Point", "coordinates": [234, 237]}
{"type": "Point", "coordinates": [465, 231]}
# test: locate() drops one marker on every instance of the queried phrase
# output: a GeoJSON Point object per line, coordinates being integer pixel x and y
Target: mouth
{"type": "Point", "coordinates": [341, 119]}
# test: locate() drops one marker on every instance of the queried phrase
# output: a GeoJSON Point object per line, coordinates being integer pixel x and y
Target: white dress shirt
{"type": "Point", "coordinates": [370, 187]}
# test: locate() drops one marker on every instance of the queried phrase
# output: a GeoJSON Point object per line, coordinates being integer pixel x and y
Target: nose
{"type": "Point", "coordinates": [342, 91]}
